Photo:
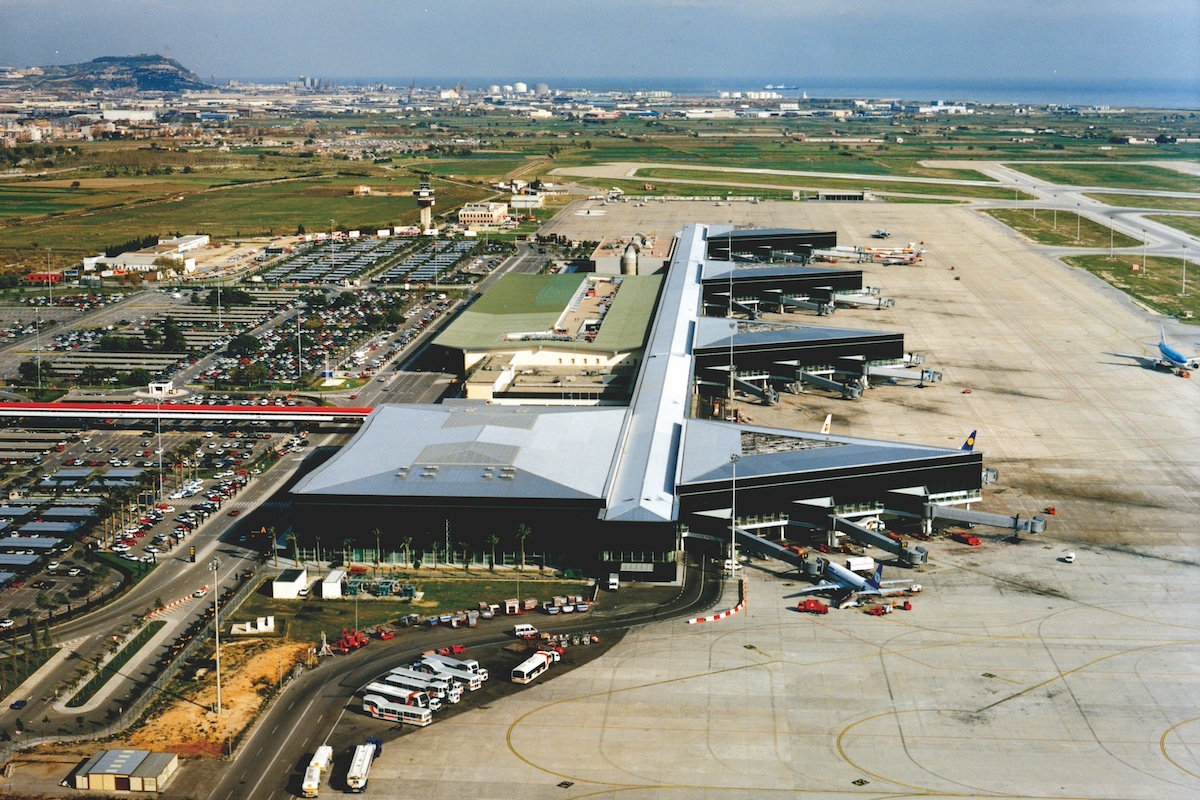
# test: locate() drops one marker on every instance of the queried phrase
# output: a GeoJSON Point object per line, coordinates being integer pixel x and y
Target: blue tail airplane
{"type": "Point", "coordinates": [1173, 358]}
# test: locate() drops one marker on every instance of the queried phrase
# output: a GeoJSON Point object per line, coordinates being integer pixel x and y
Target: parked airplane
{"type": "Point", "coordinates": [1168, 358]}
{"type": "Point", "coordinates": [846, 586]}
{"type": "Point", "coordinates": [1173, 358]}
{"type": "Point", "coordinates": [969, 444]}
{"type": "Point", "coordinates": [881, 233]}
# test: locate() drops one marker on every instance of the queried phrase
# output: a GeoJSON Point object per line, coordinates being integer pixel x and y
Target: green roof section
{"type": "Point", "coordinates": [530, 303]}
{"type": "Point", "coordinates": [628, 320]}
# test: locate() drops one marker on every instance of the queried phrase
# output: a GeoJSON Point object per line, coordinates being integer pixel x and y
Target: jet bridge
{"type": "Point", "coordinates": [867, 297]}
{"type": "Point", "coordinates": [892, 369]}
{"type": "Point", "coordinates": [1014, 524]}
{"type": "Point", "coordinates": [742, 379]}
{"type": "Point", "coordinates": [811, 376]}
{"type": "Point", "coordinates": [868, 538]}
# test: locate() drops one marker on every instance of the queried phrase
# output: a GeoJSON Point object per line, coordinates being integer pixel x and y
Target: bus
{"type": "Point", "coordinates": [404, 695]}
{"type": "Point", "coordinates": [381, 708]}
{"type": "Point", "coordinates": [533, 666]}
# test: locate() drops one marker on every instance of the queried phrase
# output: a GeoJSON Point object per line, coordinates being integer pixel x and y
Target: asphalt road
{"type": "Point", "coordinates": [310, 709]}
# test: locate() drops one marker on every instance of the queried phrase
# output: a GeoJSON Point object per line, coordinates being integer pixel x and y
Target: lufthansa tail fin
{"type": "Point", "coordinates": [876, 580]}
{"type": "Point", "coordinates": [969, 444]}
{"type": "Point", "coordinates": [828, 424]}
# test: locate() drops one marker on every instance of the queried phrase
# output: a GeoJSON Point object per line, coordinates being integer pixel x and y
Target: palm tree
{"type": "Point", "coordinates": [466, 557]}
{"type": "Point", "coordinates": [406, 543]}
{"type": "Point", "coordinates": [492, 540]}
{"type": "Point", "coordinates": [274, 549]}
{"type": "Point", "coordinates": [522, 534]}
{"type": "Point", "coordinates": [347, 543]}
{"type": "Point", "coordinates": [377, 533]}
{"type": "Point", "coordinates": [434, 548]}
{"type": "Point", "coordinates": [291, 537]}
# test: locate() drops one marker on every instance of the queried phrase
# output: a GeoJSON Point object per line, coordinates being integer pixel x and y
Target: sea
{"type": "Point", "coordinates": [1126, 93]}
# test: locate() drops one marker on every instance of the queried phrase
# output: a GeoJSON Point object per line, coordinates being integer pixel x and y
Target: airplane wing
{"type": "Point", "coordinates": [818, 588]}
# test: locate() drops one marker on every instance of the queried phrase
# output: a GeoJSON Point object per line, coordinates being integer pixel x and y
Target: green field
{"type": "Point", "coordinates": [308, 618]}
{"type": "Point", "coordinates": [725, 179]}
{"type": "Point", "coordinates": [1189, 225]}
{"type": "Point", "coordinates": [1144, 201]}
{"type": "Point", "coordinates": [1117, 176]}
{"type": "Point", "coordinates": [1158, 287]}
{"type": "Point", "coordinates": [1060, 228]}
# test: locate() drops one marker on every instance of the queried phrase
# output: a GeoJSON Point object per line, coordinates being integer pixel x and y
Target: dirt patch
{"type": "Point", "coordinates": [250, 670]}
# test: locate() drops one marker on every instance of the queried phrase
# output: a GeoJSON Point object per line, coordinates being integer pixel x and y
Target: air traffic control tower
{"type": "Point", "coordinates": [425, 202]}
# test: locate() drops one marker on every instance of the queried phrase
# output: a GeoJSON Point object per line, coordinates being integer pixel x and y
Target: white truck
{"type": "Point", "coordinates": [319, 765]}
{"type": "Point", "coordinates": [468, 664]}
{"type": "Point", "coordinates": [860, 564]}
{"type": "Point", "coordinates": [360, 767]}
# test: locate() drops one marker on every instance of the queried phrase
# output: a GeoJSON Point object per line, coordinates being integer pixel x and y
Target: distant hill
{"type": "Point", "coordinates": [145, 73]}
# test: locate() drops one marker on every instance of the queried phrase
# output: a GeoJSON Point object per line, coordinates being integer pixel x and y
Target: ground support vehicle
{"type": "Point", "coordinates": [535, 665]}
{"type": "Point", "coordinates": [360, 767]}
{"type": "Point", "coordinates": [382, 708]}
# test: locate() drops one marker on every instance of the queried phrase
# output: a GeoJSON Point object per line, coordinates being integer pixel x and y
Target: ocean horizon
{"type": "Point", "coordinates": [1122, 93]}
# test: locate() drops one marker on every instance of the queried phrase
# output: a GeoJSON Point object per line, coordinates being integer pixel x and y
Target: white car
{"type": "Point", "coordinates": [5, 624]}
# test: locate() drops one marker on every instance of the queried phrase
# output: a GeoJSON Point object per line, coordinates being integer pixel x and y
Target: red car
{"type": "Point", "coordinates": [235, 512]}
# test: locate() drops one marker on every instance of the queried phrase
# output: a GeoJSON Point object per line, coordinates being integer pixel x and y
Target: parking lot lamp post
{"type": "Point", "coordinates": [158, 416]}
{"type": "Point", "coordinates": [733, 459]}
{"type": "Point", "coordinates": [215, 565]}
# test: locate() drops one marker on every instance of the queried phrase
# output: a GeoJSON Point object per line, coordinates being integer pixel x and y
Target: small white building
{"type": "Point", "coordinates": [526, 201]}
{"type": "Point", "coordinates": [331, 585]}
{"type": "Point", "coordinates": [289, 584]}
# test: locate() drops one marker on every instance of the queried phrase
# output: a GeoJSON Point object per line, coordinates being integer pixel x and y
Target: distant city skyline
{"type": "Point", "coordinates": [864, 42]}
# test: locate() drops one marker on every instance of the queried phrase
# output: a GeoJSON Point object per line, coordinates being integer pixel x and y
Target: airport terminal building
{"type": "Point", "coordinates": [624, 483]}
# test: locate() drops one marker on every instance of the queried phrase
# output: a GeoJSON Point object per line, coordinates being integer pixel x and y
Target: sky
{"type": "Point", "coordinates": [783, 41]}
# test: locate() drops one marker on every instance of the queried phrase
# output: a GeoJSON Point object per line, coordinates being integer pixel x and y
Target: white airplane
{"type": "Point", "coordinates": [846, 586]}
{"type": "Point", "coordinates": [881, 233]}
{"type": "Point", "coordinates": [1168, 359]}
{"type": "Point", "coordinates": [1172, 357]}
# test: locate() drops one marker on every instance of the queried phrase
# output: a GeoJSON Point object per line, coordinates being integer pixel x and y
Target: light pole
{"type": "Point", "coordinates": [215, 565]}
{"type": "Point", "coordinates": [1055, 219]}
{"type": "Point", "coordinates": [158, 416]}
{"type": "Point", "coordinates": [1183, 288]}
{"type": "Point", "coordinates": [733, 459]}
{"type": "Point", "coordinates": [1143, 252]}
{"type": "Point", "coordinates": [1112, 232]}
{"type": "Point", "coordinates": [1078, 221]}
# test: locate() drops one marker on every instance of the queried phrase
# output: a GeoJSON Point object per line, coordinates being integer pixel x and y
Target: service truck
{"type": "Point", "coordinates": [360, 767]}
{"type": "Point", "coordinates": [860, 564]}
{"type": "Point", "coordinates": [469, 664]}
{"type": "Point", "coordinates": [319, 765]}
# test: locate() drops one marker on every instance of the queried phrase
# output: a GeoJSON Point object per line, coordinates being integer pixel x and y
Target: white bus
{"type": "Point", "coordinates": [468, 664]}
{"type": "Point", "coordinates": [442, 682]}
{"type": "Point", "coordinates": [533, 666]}
{"type": "Point", "coordinates": [381, 708]}
{"type": "Point", "coordinates": [470, 679]}
{"type": "Point", "coordinates": [435, 689]}
{"type": "Point", "coordinates": [404, 696]}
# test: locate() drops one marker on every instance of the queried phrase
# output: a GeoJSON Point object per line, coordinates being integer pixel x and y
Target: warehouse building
{"type": "Point", "coordinates": [126, 771]}
{"type": "Point", "coordinates": [627, 488]}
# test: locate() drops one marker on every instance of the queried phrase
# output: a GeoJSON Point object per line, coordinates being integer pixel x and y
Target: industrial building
{"type": "Point", "coordinates": [627, 488]}
{"type": "Point", "coordinates": [126, 771]}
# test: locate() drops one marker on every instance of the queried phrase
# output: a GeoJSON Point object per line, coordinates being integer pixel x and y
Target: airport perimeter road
{"type": "Point", "coordinates": [320, 705]}
{"type": "Point", "coordinates": [175, 578]}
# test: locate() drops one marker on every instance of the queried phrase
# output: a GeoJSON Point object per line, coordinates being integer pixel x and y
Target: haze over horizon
{"type": "Point", "coordinates": [1048, 42]}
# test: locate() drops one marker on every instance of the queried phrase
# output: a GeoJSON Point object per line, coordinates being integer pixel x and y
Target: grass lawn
{"type": "Point", "coordinates": [1186, 224]}
{"type": "Point", "coordinates": [1060, 228]}
{"type": "Point", "coordinates": [882, 184]}
{"type": "Point", "coordinates": [307, 618]}
{"type": "Point", "coordinates": [1118, 176]}
{"type": "Point", "coordinates": [1157, 288]}
{"type": "Point", "coordinates": [1145, 201]}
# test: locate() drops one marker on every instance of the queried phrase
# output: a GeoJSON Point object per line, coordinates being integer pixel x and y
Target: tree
{"type": "Point", "coordinates": [249, 374]}
{"type": "Point", "coordinates": [406, 543]}
{"type": "Point", "coordinates": [493, 540]}
{"type": "Point", "coordinates": [29, 371]}
{"type": "Point", "coordinates": [378, 533]}
{"type": "Point", "coordinates": [244, 344]}
{"type": "Point", "coordinates": [347, 544]}
{"type": "Point", "coordinates": [291, 537]}
{"type": "Point", "coordinates": [522, 533]}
